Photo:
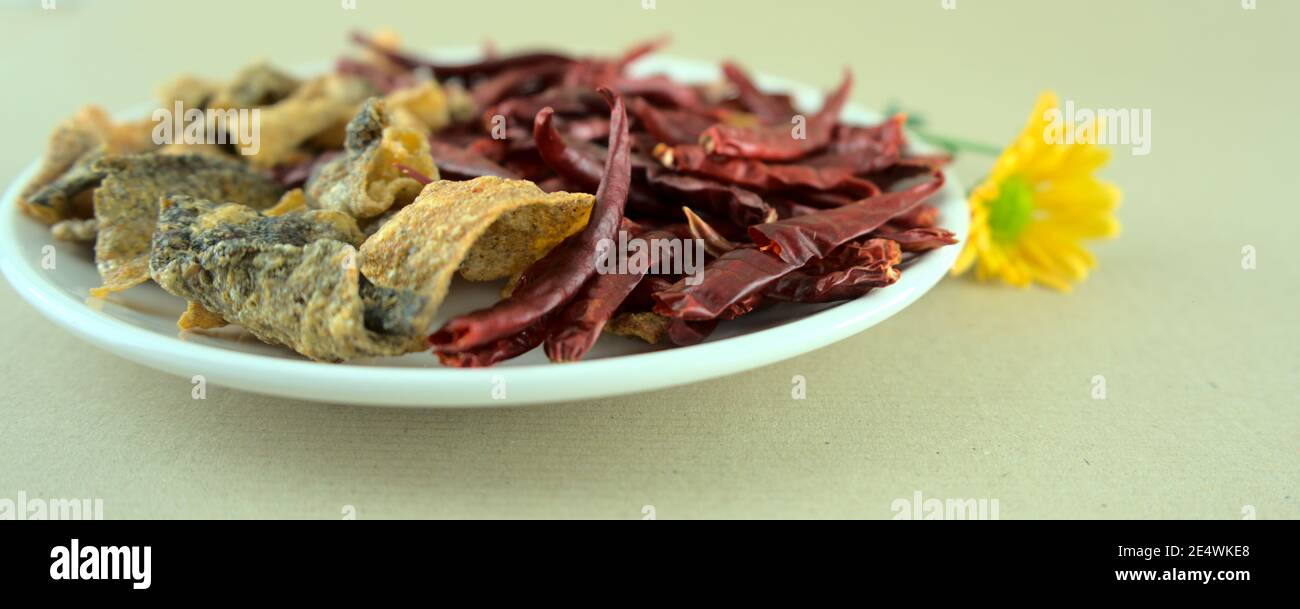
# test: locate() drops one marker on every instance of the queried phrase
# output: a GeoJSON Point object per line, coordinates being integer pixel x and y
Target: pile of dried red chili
{"type": "Point", "coordinates": [791, 207]}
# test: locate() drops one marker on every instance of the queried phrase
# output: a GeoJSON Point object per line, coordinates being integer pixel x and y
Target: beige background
{"type": "Point", "coordinates": [975, 391]}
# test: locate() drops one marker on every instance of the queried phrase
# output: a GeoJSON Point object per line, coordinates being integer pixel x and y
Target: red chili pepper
{"type": "Point", "coordinates": [917, 240]}
{"type": "Point", "coordinates": [768, 108]}
{"type": "Point", "coordinates": [784, 246]}
{"type": "Point", "coordinates": [756, 175]}
{"type": "Point", "coordinates": [921, 216]}
{"type": "Point", "coordinates": [582, 170]}
{"type": "Point", "coordinates": [587, 129]}
{"type": "Point", "coordinates": [382, 80]}
{"type": "Point", "coordinates": [672, 127]}
{"type": "Point", "coordinates": [714, 243]}
{"type": "Point", "coordinates": [727, 280]}
{"type": "Point", "coordinates": [683, 333]}
{"type": "Point", "coordinates": [457, 163]}
{"type": "Point", "coordinates": [856, 271]}
{"type": "Point", "coordinates": [801, 239]}
{"type": "Point", "coordinates": [497, 351]}
{"type": "Point", "coordinates": [869, 149]}
{"type": "Point", "coordinates": [564, 100]}
{"type": "Point", "coordinates": [780, 142]}
{"type": "Point", "coordinates": [574, 330]}
{"type": "Point", "coordinates": [515, 80]}
{"type": "Point", "coordinates": [464, 71]}
{"type": "Point", "coordinates": [737, 204]}
{"type": "Point", "coordinates": [572, 267]}
{"type": "Point", "coordinates": [297, 174]}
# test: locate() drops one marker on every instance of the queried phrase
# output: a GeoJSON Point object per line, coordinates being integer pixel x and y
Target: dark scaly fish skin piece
{"type": "Point", "coordinates": [126, 204]}
{"type": "Point", "coordinates": [289, 280]}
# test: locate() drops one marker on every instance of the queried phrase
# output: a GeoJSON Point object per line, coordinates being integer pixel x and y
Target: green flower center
{"type": "Point", "coordinates": [1012, 211]}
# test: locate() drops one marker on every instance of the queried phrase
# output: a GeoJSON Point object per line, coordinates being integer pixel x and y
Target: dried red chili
{"type": "Point", "coordinates": [768, 108]}
{"type": "Point", "coordinates": [574, 330]}
{"type": "Point", "coordinates": [780, 142]}
{"type": "Point", "coordinates": [684, 333]}
{"type": "Point", "coordinates": [714, 243]}
{"type": "Point", "coordinates": [457, 163]}
{"type": "Point", "coordinates": [859, 270]}
{"type": "Point", "coordinates": [921, 216]}
{"type": "Point", "coordinates": [669, 126]}
{"type": "Point", "coordinates": [497, 351]}
{"type": "Point", "coordinates": [382, 80]}
{"type": "Point", "coordinates": [784, 246]}
{"type": "Point", "coordinates": [737, 204]}
{"type": "Point", "coordinates": [583, 170]}
{"type": "Point", "coordinates": [515, 81]}
{"type": "Point", "coordinates": [756, 175]}
{"type": "Point", "coordinates": [465, 71]}
{"type": "Point", "coordinates": [813, 236]}
{"type": "Point", "coordinates": [574, 265]}
{"type": "Point", "coordinates": [917, 240]}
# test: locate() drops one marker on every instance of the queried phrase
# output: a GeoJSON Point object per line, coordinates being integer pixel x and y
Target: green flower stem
{"type": "Point", "coordinates": [955, 145]}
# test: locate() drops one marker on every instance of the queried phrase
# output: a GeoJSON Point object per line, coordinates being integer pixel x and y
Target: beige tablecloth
{"type": "Point", "coordinates": [974, 392]}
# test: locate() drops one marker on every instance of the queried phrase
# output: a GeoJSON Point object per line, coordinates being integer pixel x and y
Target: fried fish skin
{"type": "Point", "coordinates": [315, 107]}
{"type": "Point", "coordinates": [197, 317]}
{"type": "Point", "coordinates": [74, 229]}
{"type": "Point", "coordinates": [365, 181]}
{"type": "Point", "coordinates": [256, 85]}
{"type": "Point", "coordinates": [65, 169]}
{"type": "Point", "coordinates": [126, 204]}
{"type": "Point", "coordinates": [649, 327]}
{"type": "Point", "coordinates": [421, 107]}
{"type": "Point", "coordinates": [289, 280]}
{"type": "Point", "coordinates": [486, 228]}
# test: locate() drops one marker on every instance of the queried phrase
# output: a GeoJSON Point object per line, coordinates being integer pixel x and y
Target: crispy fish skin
{"type": "Point", "coordinates": [256, 85]}
{"type": "Point", "coordinates": [365, 181]}
{"type": "Point", "coordinates": [73, 148]}
{"type": "Point", "coordinates": [126, 204]}
{"type": "Point", "coordinates": [312, 109]}
{"type": "Point", "coordinates": [421, 107]}
{"type": "Point", "coordinates": [649, 327]}
{"type": "Point", "coordinates": [76, 230]}
{"type": "Point", "coordinates": [196, 317]}
{"type": "Point", "coordinates": [488, 228]}
{"type": "Point", "coordinates": [289, 280]}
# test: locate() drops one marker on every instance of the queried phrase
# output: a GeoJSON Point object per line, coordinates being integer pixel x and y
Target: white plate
{"type": "Point", "coordinates": [140, 324]}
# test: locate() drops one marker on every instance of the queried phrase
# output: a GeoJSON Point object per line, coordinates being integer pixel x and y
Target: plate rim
{"type": "Point", "coordinates": [420, 386]}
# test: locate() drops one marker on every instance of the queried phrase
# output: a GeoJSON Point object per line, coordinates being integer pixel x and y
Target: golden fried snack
{"type": "Point", "coordinates": [292, 201]}
{"type": "Point", "coordinates": [196, 317]}
{"type": "Point", "coordinates": [75, 229]}
{"type": "Point", "coordinates": [488, 228]}
{"type": "Point", "coordinates": [191, 91]}
{"type": "Point", "coordinates": [126, 205]}
{"type": "Point", "coordinates": [422, 107]}
{"type": "Point", "coordinates": [290, 280]}
{"type": "Point", "coordinates": [365, 181]}
{"type": "Point", "coordinates": [313, 108]}
{"type": "Point", "coordinates": [75, 145]}
{"type": "Point", "coordinates": [255, 86]}
{"type": "Point", "coordinates": [649, 327]}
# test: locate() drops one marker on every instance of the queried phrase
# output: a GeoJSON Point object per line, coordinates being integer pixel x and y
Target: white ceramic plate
{"type": "Point", "coordinates": [140, 324]}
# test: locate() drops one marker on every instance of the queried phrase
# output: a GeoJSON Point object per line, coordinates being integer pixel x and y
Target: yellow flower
{"type": "Point", "coordinates": [1038, 203]}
